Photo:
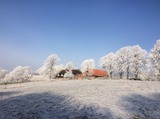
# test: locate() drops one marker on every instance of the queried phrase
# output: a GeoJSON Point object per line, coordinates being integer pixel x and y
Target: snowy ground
{"type": "Point", "coordinates": [81, 99]}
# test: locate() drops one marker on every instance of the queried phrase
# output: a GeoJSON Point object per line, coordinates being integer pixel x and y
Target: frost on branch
{"type": "Point", "coordinates": [3, 73]}
{"type": "Point", "coordinates": [58, 68]}
{"type": "Point", "coordinates": [68, 74]}
{"type": "Point", "coordinates": [108, 63]}
{"type": "Point", "coordinates": [124, 61]}
{"type": "Point", "coordinates": [19, 74]}
{"type": "Point", "coordinates": [88, 66]}
{"type": "Point", "coordinates": [48, 68]}
{"type": "Point", "coordinates": [127, 60]}
{"type": "Point", "coordinates": [138, 60]}
{"type": "Point", "coordinates": [69, 67]}
{"type": "Point", "coordinates": [154, 57]}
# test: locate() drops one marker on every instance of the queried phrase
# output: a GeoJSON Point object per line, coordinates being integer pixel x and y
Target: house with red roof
{"type": "Point", "coordinates": [99, 73]}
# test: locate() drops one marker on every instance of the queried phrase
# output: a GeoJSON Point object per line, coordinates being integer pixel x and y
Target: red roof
{"type": "Point", "coordinates": [97, 72]}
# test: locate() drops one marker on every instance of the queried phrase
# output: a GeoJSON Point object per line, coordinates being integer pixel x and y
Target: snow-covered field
{"type": "Point", "coordinates": [81, 99]}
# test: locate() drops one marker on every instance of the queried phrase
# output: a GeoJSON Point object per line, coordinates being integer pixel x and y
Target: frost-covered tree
{"type": "Point", "coordinates": [19, 74]}
{"type": "Point", "coordinates": [129, 56]}
{"type": "Point", "coordinates": [148, 70]}
{"type": "Point", "coordinates": [68, 74]}
{"type": "Point", "coordinates": [58, 68]}
{"type": "Point", "coordinates": [123, 61]}
{"type": "Point", "coordinates": [69, 67]}
{"type": "Point", "coordinates": [139, 56]}
{"type": "Point", "coordinates": [108, 63]}
{"type": "Point", "coordinates": [87, 66]}
{"type": "Point", "coordinates": [155, 59]}
{"type": "Point", "coordinates": [3, 72]}
{"type": "Point", "coordinates": [48, 66]}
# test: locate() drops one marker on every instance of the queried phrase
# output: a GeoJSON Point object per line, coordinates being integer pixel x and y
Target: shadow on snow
{"type": "Point", "coordinates": [54, 106]}
{"type": "Point", "coordinates": [8, 93]}
{"type": "Point", "coordinates": [49, 106]}
{"type": "Point", "coordinates": [142, 107]}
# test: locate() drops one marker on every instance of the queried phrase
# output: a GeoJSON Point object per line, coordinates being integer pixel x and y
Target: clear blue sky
{"type": "Point", "coordinates": [75, 30]}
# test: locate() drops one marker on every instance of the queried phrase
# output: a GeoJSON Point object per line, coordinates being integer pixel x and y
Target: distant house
{"type": "Point", "coordinates": [61, 74]}
{"type": "Point", "coordinates": [76, 72]}
{"type": "Point", "coordinates": [99, 73]}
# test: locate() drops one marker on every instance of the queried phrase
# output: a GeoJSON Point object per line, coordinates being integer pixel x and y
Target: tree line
{"type": "Point", "coordinates": [127, 62]}
{"type": "Point", "coordinates": [133, 61]}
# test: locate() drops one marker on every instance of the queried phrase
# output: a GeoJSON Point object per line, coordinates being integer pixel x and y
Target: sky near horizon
{"type": "Point", "coordinates": [75, 30]}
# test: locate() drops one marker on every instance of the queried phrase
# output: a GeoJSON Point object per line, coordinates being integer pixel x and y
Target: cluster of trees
{"type": "Point", "coordinates": [48, 70]}
{"type": "Point", "coordinates": [133, 61]}
{"type": "Point", "coordinates": [19, 74]}
{"type": "Point", "coordinates": [127, 62]}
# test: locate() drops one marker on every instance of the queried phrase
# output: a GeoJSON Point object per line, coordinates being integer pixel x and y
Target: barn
{"type": "Point", "coordinates": [99, 73]}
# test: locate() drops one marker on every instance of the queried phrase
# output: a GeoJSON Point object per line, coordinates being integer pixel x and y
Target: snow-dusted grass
{"type": "Point", "coordinates": [81, 99]}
